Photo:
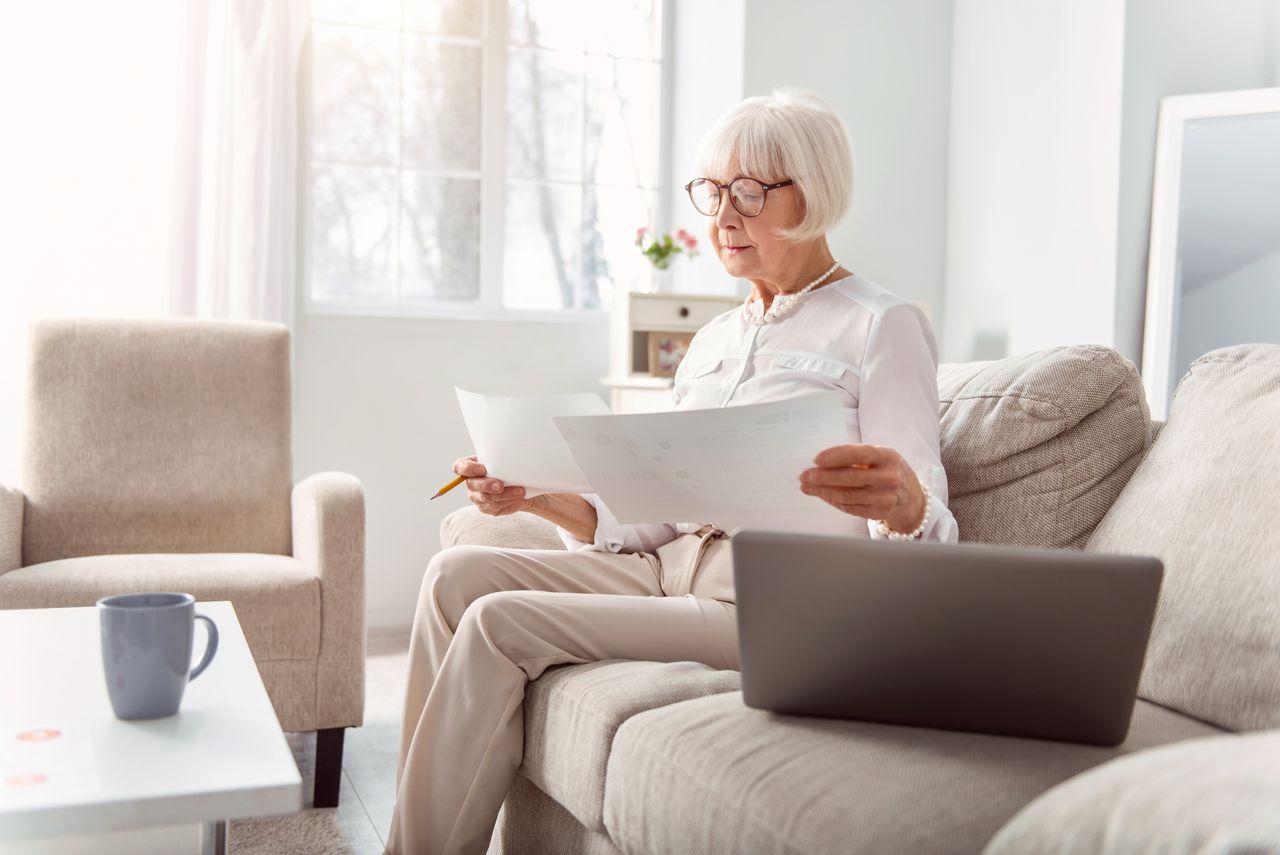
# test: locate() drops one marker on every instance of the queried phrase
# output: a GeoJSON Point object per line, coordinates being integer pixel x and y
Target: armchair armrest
{"type": "Point", "coordinates": [12, 504]}
{"type": "Point", "coordinates": [328, 537]}
{"type": "Point", "coordinates": [1214, 794]}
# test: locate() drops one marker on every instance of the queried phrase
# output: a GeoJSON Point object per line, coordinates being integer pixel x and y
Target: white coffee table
{"type": "Point", "coordinates": [73, 778]}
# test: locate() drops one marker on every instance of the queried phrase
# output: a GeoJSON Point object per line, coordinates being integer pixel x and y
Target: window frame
{"type": "Point", "coordinates": [493, 181]}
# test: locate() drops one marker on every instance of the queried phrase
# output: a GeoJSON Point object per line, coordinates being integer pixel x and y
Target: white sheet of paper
{"type": "Point", "coordinates": [518, 442]}
{"type": "Point", "coordinates": [734, 467]}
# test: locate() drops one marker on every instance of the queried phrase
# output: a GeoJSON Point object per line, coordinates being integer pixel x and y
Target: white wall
{"type": "Point", "coordinates": [1035, 135]}
{"type": "Point", "coordinates": [1176, 47]}
{"type": "Point", "coordinates": [884, 65]}
{"type": "Point", "coordinates": [374, 397]}
{"type": "Point", "coordinates": [705, 85]}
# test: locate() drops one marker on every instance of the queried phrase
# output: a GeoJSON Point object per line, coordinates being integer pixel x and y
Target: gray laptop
{"type": "Point", "coordinates": [1014, 641]}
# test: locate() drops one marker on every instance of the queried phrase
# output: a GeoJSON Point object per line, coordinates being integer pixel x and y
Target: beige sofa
{"type": "Point", "coordinates": [643, 757]}
{"type": "Point", "coordinates": [157, 456]}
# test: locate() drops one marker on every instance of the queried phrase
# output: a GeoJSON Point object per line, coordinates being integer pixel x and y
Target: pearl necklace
{"type": "Point", "coordinates": [783, 303]}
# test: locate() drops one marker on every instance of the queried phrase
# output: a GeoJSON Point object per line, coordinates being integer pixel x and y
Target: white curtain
{"type": "Point", "coordinates": [86, 149]}
{"type": "Point", "coordinates": [235, 216]}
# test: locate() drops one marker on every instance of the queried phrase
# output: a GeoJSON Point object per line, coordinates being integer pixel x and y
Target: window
{"type": "Point", "coordinates": [480, 156]}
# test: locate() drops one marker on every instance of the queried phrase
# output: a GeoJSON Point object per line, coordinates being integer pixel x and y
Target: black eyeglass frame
{"type": "Point", "coordinates": [688, 188]}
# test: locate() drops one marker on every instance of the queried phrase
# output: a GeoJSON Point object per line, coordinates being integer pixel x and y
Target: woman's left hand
{"type": "Point", "coordinates": [869, 481]}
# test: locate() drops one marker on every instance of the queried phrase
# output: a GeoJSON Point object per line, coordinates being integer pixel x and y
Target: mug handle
{"type": "Point", "coordinates": [209, 649]}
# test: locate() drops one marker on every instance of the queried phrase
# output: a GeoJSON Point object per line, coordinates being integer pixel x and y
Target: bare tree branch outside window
{"type": "Point", "coordinates": [396, 156]}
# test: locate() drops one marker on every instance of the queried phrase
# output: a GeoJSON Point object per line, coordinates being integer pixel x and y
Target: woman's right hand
{"type": "Point", "coordinates": [490, 495]}
{"type": "Point", "coordinates": [568, 510]}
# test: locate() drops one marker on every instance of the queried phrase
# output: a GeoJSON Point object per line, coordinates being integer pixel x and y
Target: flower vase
{"type": "Point", "coordinates": [659, 280]}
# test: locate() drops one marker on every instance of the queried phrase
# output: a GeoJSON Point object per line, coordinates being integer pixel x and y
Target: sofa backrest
{"type": "Point", "coordinates": [1038, 446]}
{"type": "Point", "coordinates": [1205, 501]}
{"type": "Point", "coordinates": [156, 436]}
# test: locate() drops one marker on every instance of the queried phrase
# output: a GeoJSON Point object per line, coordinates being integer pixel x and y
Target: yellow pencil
{"type": "Point", "coordinates": [447, 487]}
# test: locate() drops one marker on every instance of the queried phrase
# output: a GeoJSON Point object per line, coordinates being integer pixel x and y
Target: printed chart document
{"type": "Point", "coordinates": [734, 467]}
{"type": "Point", "coordinates": [517, 440]}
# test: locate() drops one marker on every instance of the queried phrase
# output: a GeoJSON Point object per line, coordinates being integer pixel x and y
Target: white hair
{"type": "Point", "coordinates": [789, 134]}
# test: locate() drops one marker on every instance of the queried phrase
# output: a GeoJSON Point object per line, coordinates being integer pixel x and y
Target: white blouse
{"type": "Point", "coordinates": [854, 337]}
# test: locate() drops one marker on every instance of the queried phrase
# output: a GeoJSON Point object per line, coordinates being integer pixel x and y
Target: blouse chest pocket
{"type": "Point", "coordinates": [808, 372]}
{"type": "Point", "coordinates": [810, 364]}
{"type": "Point", "coordinates": [694, 375]}
{"type": "Point", "coordinates": [702, 369]}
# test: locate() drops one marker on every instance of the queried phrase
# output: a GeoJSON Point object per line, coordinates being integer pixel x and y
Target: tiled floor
{"type": "Point", "coordinates": [369, 756]}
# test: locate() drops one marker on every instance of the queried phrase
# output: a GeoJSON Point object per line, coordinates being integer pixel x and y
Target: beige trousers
{"type": "Point", "coordinates": [489, 620]}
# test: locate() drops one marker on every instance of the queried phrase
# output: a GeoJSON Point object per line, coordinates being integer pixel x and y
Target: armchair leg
{"type": "Point", "coordinates": [328, 766]}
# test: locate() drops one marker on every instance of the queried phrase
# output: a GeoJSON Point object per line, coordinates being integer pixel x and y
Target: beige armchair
{"type": "Point", "coordinates": [158, 456]}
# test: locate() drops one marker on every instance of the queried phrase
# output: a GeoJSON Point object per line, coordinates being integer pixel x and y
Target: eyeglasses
{"type": "Point", "coordinates": [746, 194]}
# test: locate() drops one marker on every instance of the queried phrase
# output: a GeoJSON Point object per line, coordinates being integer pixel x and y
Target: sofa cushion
{"type": "Point", "coordinates": [276, 598]}
{"type": "Point", "coordinates": [1205, 501]}
{"type": "Point", "coordinates": [572, 712]}
{"type": "Point", "coordinates": [1038, 446]}
{"type": "Point", "coordinates": [468, 527]}
{"type": "Point", "coordinates": [1218, 794]}
{"type": "Point", "coordinates": [713, 776]}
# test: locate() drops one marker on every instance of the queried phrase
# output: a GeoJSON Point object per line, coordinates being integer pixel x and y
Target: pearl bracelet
{"type": "Point", "coordinates": [884, 530]}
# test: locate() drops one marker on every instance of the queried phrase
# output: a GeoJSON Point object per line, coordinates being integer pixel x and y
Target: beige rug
{"type": "Point", "coordinates": [358, 825]}
{"type": "Point", "coordinates": [314, 831]}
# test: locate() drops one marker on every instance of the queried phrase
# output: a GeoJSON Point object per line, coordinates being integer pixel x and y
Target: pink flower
{"type": "Point", "coordinates": [683, 235]}
{"type": "Point", "coordinates": [690, 241]}
{"type": "Point", "coordinates": [640, 234]}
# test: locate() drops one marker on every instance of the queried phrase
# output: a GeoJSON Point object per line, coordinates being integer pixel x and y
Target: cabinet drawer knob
{"type": "Point", "coordinates": [684, 311]}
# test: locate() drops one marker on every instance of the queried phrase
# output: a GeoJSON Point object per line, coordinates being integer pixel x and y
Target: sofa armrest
{"type": "Point", "coordinates": [12, 504]}
{"type": "Point", "coordinates": [328, 537]}
{"type": "Point", "coordinates": [1215, 794]}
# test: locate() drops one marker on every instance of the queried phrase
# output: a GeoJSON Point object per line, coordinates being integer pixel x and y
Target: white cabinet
{"type": "Point", "coordinates": [632, 389]}
{"type": "Point", "coordinates": [640, 397]}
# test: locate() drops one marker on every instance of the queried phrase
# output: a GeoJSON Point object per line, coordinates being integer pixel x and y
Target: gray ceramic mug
{"type": "Point", "coordinates": [146, 651]}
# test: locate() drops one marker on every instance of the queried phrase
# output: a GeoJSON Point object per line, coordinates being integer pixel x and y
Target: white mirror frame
{"type": "Point", "coordinates": [1162, 262]}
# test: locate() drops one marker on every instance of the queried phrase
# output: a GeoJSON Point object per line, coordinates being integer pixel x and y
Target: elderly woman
{"type": "Point", "coordinates": [777, 176]}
